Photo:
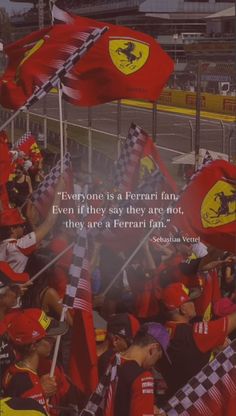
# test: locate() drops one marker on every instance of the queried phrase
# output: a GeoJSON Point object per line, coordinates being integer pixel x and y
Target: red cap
{"type": "Point", "coordinates": [31, 325]}
{"type": "Point", "coordinates": [11, 216]}
{"type": "Point", "coordinates": [9, 277]}
{"type": "Point", "coordinates": [174, 295]}
{"type": "Point", "coordinates": [123, 324]}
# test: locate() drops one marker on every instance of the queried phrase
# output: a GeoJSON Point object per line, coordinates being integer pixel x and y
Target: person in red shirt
{"type": "Point", "coordinates": [132, 391]}
{"type": "Point", "coordinates": [15, 245]}
{"type": "Point", "coordinates": [12, 285]}
{"type": "Point", "coordinates": [121, 329]}
{"type": "Point", "coordinates": [32, 334]}
{"type": "Point", "coordinates": [191, 345]}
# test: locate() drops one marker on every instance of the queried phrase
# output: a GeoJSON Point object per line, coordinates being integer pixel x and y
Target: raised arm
{"type": "Point", "coordinates": [51, 218]}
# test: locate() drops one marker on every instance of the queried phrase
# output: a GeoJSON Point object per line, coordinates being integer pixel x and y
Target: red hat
{"type": "Point", "coordinates": [223, 307]}
{"type": "Point", "coordinates": [124, 325]}
{"type": "Point", "coordinates": [174, 295]}
{"type": "Point", "coordinates": [31, 325]}
{"type": "Point", "coordinates": [8, 277]}
{"type": "Point", "coordinates": [11, 216]}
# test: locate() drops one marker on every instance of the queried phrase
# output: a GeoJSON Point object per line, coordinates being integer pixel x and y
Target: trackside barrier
{"type": "Point", "coordinates": [93, 154]}
{"type": "Point", "coordinates": [87, 154]}
{"type": "Point", "coordinates": [209, 102]}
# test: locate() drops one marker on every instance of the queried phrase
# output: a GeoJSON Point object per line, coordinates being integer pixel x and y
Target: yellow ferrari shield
{"type": "Point", "coordinates": [219, 205]}
{"type": "Point", "coordinates": [147, 166]}
{"type": "Point", "coordinates": [128, 55]}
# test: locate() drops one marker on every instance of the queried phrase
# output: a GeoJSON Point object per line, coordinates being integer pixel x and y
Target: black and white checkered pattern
{"type": "Point", "coordinates": [22, 139]}
{"type": "Point", "coordinates": [103, 391]}
{"type": "Point", "coordinates": [128, 163]}
{"type": "Point", "coordinates": [46, 188]}
{"type": "Point", "coordinates": [207, 158]}
{"type": "Point", "coordinates": [88, 38]}
{"type": "Point", "coordinates": [78, 290]}
{"type": "Point", "coordinates": [208, 386]}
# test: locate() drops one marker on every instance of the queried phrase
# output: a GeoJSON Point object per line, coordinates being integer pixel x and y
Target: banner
{"type": "Point", "coordinates": [209, 205]}
{"type": "Point", "coordinates": [124, 64]}
{"type": "Point", "coordinates": [33, 70]}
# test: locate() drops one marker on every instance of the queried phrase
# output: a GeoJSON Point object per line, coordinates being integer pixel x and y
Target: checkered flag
{"type": "Point", "coordinates": [89, 38]}
{"type": "Point", "coordinates": [43, 195]}
{"type": "Point", "coordinates": [207, 158]}
{"type": "Point", "coordinates": [212, 391]}
{"type": "Point", "coordinates": [22, 140]}
{"type": "Point", "coordinates": [78, 290]}
{"type": "Point", "coordinates": [101, 398]}
{"type": "Point", "coordinates": [128, 163]}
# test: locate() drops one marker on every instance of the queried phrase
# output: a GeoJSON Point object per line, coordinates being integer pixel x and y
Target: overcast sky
{"type": "Point", "coordinates": [11, 5]}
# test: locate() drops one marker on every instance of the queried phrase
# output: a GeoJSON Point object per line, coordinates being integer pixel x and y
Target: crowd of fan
{"type": "Point", "coordinates": [156, 319]}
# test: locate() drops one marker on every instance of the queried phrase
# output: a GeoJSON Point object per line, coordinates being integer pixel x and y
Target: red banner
{"type": "Point", "coordinates": [209, 205]}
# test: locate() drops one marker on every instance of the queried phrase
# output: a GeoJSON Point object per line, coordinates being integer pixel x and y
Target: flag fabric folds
{"type": "Point", "coordinates": [38, 62]}
{"type": "Point", "coordinates": [27, 144]}
{"type": "Point", "coordinates": [124, 64]}
{"type": "Point", "coordinates": [211, 392]}
{"type": "Point", "coordinates": [210, 294]}
{"type": "Point", "coordinates": [42, 197]}
{"type": "Point", "coordinates": [78, 291]}
{"type": "Point", "coordinates": [83, 357]}
{"type": "Point", "coordinates": [125, 176]}
{"type": "Point", "coordinates": [209, 205]}
{"type": "Point", "coordinates": [139, 158]}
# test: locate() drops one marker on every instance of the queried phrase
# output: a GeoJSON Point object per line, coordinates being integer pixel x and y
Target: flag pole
{"type": "Point", "coordinates": [131, 257]}
{"type": "Point", "coordinates": [118, 127]}
{"type": "Point", "coordinates": [90, 151]}
{"type": "Point", "coordinates": [128, 261]}
{"type": "Point", "coordinates": [57, 344]}
{"type": "Point", "coordinates": [14, 115]}
{"type": "Point", "coordinates": [61, 125]}
{"type": "Point", "coordinates": [54, 260]}
{"type": "Point", "coordinates": [154, 121]}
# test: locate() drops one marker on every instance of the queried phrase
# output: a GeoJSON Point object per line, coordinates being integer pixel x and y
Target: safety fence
{"type": "Point", "coordinates": [96, 150]}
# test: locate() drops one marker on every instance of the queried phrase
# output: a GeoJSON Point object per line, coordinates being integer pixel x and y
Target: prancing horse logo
{"type": "Point", "coordinates": [128, 55]}
{"type": "Point", "coordinates": [219, 205]}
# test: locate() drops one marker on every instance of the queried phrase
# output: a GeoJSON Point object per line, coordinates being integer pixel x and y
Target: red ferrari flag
{"type": "Point", "coordinates": [210, 392]}
{"type": "Point", "coordinates": [151, 160]}
{"type": "Point", "coordinates": [38, 62]}
{"type": "Point", "coordinates": [209, 205]}
{"type": "Point", "coordinates": [124, 64]}
{"type": "Point", "coordinates": [12, 92]}
{"type": "Point", "coordinates": [138, 160]}
{"type": "Point", "coordinates": [27, 143]}
{"type": "Point", "coordinates": [83, 357]}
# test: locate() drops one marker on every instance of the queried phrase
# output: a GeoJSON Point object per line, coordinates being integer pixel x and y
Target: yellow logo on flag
{"type": "Point", "coordinates": [28, 54]}
{"type": "Point", "coordinates": [128, 55]}
{"type": "Point", "coordinates": [34, 148]}
{"type": "Point", "coordinates": [219, 205]}
{"type": "Point", "coordinates": [147, 166]}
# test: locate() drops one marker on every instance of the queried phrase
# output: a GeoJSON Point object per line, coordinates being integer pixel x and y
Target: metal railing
{"type": "Point", "coordinates": [89, 143]}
